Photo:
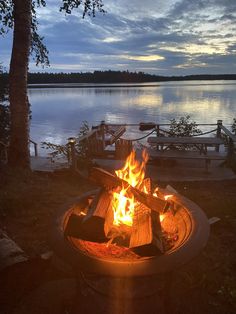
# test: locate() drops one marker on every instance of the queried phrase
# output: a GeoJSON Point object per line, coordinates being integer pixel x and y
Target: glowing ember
{"type": "Point", "coordinates": [123, 203]}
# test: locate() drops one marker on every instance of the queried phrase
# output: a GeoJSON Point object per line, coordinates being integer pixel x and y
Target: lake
{"type": "Point", "coordinates": [57, 113]}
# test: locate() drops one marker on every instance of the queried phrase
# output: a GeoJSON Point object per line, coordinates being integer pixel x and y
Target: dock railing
{"type": "Point", "coordinates": [4, 150]}
{"type": "Point", "coordinates": [94, 142]}
{"type": "Point", "coordinates": [230, 140]}
{"type": "Point", "coordinates": [35, 147]}
{"type": "Point", "coordinates": [162, 129]}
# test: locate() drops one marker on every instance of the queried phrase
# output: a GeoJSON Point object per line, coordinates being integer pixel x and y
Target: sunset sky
{"type": "Point", "coordinates": [163, 37]}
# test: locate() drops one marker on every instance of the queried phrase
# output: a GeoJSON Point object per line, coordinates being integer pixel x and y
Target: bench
{"type": "Point", "coordinates": [183, 154]}
{"type": "Point", "coordinates": [201, 143]}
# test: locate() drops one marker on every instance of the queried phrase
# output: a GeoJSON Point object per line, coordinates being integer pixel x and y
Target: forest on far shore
{"type": "Point", "coordinates": [114, 77]}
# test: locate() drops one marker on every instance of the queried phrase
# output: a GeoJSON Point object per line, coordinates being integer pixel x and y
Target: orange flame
{"type": "Point", "coordinates": [166, 197]}
{"type": "Point", "coordinates": [123, 204]}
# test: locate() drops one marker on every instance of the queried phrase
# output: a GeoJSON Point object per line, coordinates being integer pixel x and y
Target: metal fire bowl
{"type": "Point", "coordinates": [193, 233]}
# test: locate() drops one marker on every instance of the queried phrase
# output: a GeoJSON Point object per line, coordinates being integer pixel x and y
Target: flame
{"type": "Point", "coordinates": [123, 204]}
{"type": "Point", "coordinates": [166, 197]}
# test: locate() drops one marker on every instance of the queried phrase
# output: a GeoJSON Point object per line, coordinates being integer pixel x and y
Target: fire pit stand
{"type": "Point", "coordinates": [113, 285]}
{"type": "Point", "coordinates": [131, 295]}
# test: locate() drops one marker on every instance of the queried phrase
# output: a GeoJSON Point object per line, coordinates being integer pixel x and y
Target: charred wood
{"type": "Point", "coordinates": [89, 230]}
{"type": "Point", "coordinates": [111, 181]}
{"type": "Point", "coordinates": [117, 234]}
{"type": "Point", "coordinates": [91, 226]}
{"type": "Point", "coordinates": [99, 205]}
{"type": "Point", "coordinates": [146, 236]}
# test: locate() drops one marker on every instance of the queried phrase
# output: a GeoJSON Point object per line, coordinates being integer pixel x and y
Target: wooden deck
{"type": "Point", "coordinates": [44, 164]}
{"type": "Point", "coordinates": [104, 141]}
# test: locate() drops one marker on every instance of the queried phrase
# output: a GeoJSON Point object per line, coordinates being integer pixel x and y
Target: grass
{"type": "Point", "coordinates": [28, 203]}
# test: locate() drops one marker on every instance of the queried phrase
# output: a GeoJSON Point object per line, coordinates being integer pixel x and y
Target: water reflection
{"type": "Point", "coordinates": [57, 113]}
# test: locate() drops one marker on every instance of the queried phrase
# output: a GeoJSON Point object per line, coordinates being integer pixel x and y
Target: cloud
{"type": "Point", "coordinates": [167, 37]}
{"type": "Point", "coordinates": [147, 58]}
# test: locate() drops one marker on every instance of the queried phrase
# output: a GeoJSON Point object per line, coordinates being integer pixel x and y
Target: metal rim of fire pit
{"type": "Point", "coordinates": [193, 242]}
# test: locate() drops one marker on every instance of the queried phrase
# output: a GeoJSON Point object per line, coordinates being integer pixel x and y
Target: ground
{"type": "Point", "coordinates": [28, 203]}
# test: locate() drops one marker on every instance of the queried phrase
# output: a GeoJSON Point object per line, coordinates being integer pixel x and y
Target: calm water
{"type": "Point", "coordinates": [57, 113]}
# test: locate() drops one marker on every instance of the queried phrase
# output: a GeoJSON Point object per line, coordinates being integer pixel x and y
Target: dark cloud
{"type": "Point", "coordinates": [164, 36]}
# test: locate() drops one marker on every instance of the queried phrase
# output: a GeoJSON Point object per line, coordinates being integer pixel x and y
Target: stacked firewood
{"type": "Point", "coordinates": [96, 224]}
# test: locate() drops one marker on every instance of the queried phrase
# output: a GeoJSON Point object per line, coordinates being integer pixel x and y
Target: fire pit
{"type": "Point", "coordinates": [128, 230]}
{"type": "Point", "coordinates": [193, 232]}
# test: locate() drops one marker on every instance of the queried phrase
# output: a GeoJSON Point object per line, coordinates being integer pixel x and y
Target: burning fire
{"type": "Point", "coordinates": [123, 203]}
{"type": "Point", "coordinates": [166, 197]}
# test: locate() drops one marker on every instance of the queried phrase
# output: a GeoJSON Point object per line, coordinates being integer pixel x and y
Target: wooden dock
{"type": "Point", "coordinates": [45, 164]}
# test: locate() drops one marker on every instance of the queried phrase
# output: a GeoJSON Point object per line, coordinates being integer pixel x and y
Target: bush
{"type": "Point", "coordinates": [183, 127]}
{"type": "Point", "coordinates": [234, 126]}
{"type": "Point", "coordinates": [63, 150]}
{"type": "Point", "coordinates": [4, 110]}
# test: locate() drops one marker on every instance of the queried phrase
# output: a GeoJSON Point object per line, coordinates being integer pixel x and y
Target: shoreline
{"type": "Point", "coordinates": [128, 85]}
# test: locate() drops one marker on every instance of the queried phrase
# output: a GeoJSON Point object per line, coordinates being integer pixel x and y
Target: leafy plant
{"type": "Point", "coordinates": [183, 127]}
{"type": "Point", "coordinates": [58, 151]}
{"type": "Point", "coordinates": [81, 147]}
{"type": "Point", "coordinates": [234, 126]}
{"type": "Point", "coordinates": [4, 109]}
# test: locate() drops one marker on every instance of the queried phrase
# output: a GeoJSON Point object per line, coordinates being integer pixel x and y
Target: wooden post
{"type": "Point", "coordinates": [157, 133]}
{"type": "Point", "coordinates": [35, 150]}
{"type": "Point", "coordinates": [218, 133]}
{"type": "Point", "coordinates": [230, 149]}
{"type": "Point", "coordinates": [71, 142]}
{"type": "Point", "coordinates": [123, 148]}
{"type": "Point", "coordinates": [102, 128]}
{"type": "Point", "coordinates": [35, 147]}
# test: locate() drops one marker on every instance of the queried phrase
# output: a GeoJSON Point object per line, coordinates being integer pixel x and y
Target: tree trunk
{"type": "Point", "coordinates": [19, 106]}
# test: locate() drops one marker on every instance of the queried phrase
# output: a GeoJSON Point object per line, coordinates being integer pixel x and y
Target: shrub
{"type": "Point", "coordinates": [4, 109]}
{"type": "Point", "coordinates": [183, 127]}
{"type": "Point", "coordinates": [63, 150]}
{"type": "Point", "coordinates": [234, 126]}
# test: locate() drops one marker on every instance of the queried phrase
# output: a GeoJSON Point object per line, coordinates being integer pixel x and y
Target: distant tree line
{"type": "Point", "coordinates": [91, 77]}
{"type": "Point", "coordinates": [116, 77]}
{"type": "Point", "coordinates": [113, 77]}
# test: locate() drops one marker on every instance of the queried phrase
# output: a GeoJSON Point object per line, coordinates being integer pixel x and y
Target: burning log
{"type": "Point", "coordinates": [110, 181]}
{"type": "Point", "coordinates": [91, 230]}
{"type": "Point", "coordinates": [124, 210]}
{"type": "Point", "coordinates": [90, 226]}
{"type": "Point", "coordinates": [119, 234]}
{"type": "Point", "coordinates": [146, 236]}
{"type": "Point", "coordinates": [99, 205]}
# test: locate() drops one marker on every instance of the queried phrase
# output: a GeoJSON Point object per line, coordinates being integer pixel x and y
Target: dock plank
{"type": "Point", "coordinates": [44, 164]}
